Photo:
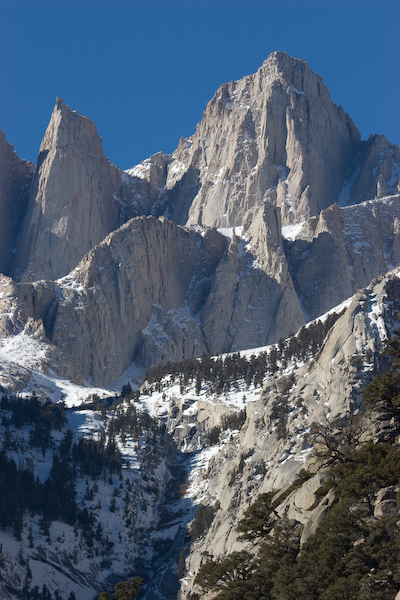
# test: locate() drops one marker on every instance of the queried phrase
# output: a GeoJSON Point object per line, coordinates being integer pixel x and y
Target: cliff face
{"type": "Point", "coordinates": [157, 275]}
{"type": "Point", "coordinates": [342, 250]}
{"type": "Point", "coordinates": [15, 180]}
{"type": "Point", "coordinates": [72, 203]}
{"type": "Point", "coordinates": [275, 129]}
{"type": "Point", "coordinates": [315, 211]}
{"type": "Point", "coordinates": [272, 445]}
{"type": "Point", "coordinates": [153, 291]}
{"type": "Point", "coordinates": [273, 213]}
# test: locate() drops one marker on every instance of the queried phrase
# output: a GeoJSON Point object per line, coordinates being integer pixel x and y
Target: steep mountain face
{"type": "Point", "coordinates": [99, 500]}
{"type": "Point", "coordinates": [153, 291]}
{"type": "Point", "coordinates": [158, 275]}
{"type": "Point", "coordinates": [315, 212]}
{"type": "Point", "coordinates": [273, 213]}
{"type": "Point", "coordinates": [275, 129]}
{"type": "Point", "coordinates": [71, 205]}
{"type": "Point", "coordinates": [272, 134]}
{"type": "Point", "coordinates": [342, 250]}
{"type": "Point", "coordinates": [120, 498]}
{"type": "Point", "coordinates": [272, 445]}
{"type": "Point", "coordinates": [15, 180]}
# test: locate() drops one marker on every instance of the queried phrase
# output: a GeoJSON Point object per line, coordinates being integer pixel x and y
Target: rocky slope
{"type": "Point", "coordinates": [274, 131]}
{"type": "Point", "coordinates": [272, 213]}
{"type": "Point", "coordinates": [272, 445]}
{"type": "Point", "coordinates": [273, 135]}
{"type": "Point", "coordinates": [251, 454]}
{"type": "Point", "coordinates": [71, 205]}
{"type": "Point", "coordinates": [315, 210]}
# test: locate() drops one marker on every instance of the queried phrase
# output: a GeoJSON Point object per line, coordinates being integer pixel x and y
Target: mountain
{"type": "Point", "coordinates": [101, 491]}
{"type": "Point", "coordinates": [248, 281]}
{"type": "Point", "coordinates": [15, 180]}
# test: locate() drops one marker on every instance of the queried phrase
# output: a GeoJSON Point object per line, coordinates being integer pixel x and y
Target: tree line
{"type": "Point", "coordinates": [220, 375]}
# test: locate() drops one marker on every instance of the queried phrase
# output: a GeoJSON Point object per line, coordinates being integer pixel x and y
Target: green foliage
{"type": "Point", "coordinates": [334, 441]}
{"type": "Point", "coordinates": [213, 436]}
{"type": "Point", "coordinates": [96, 457]}
{"type": "Point", "coordinates": [225, 574]}
{"type": "Point", "coordinates": [385, 388]}
{"type": "Point", "coordinates": [279, 415]}
{"type": "Point", "coordinates": [220, 375]}
{"type": "Point", "coordinates": [202, 520]}
{"type": "Point", "coordinates": [124, 590]}
{"type": "Point", "coordinates": [259, 517]}
{"type": "Point", "coordinates": [353, 555]}
{"type": "Point", "coordinates": [234, 420]}
{"type": "Point", "coordinates": [371, 467]}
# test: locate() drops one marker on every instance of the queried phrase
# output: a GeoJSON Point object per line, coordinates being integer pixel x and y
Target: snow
{"type": "Point", "coordinates": [297, 91]}
{"type": "Point", "coordinates": [176, 169]}
{"type": "Point", "coordinates": [291, 232]}
{"type": "Point", "coordinates": [131, 375]}
{"type": "Point", "coordinates": [85, 422]}
{"type": "Point", "coordinates": [228, 231]}
{"type": "Point", "coordinates": [336, 309]}
{"type": "Point", "coordinates": [24, 350]}
{"type": "Point", "coordinates": [395, 174]}
{"type": "Point", "coordinates": [345, 194]}
{"type": "Point", "coordinates": [90, 423]}
{"type": "Point", "coordinates": [283, 172]}
{"type": "Point", "coordinates": [199, 465]}
{"type": "Point", "coordinates": [376, 318]}
{"type": "Point", "coordinates": [141, 171]}
{"type": "Point", "coordinates": [70, 282]}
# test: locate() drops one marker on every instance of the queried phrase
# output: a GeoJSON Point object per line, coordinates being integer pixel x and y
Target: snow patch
{"type": "Point", "coordinates": [297, 91]}
{"type": "Point", "coordinates": [291, 232]}
{"type": "Point", "coordinates": [141, 171]}
{"type": "Point", "coordinates": [228, 232]}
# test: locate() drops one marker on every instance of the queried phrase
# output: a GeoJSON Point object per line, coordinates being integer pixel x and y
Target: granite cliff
{"type": "Point", "coordinates": [307, 214]}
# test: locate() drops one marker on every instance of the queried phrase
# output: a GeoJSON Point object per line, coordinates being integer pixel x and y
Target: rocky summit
{"type": "Point", "coordinates": [240, 290]}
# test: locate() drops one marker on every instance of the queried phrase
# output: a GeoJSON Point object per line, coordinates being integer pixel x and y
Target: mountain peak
{"type": "Point", "coordinates": [72, 204]}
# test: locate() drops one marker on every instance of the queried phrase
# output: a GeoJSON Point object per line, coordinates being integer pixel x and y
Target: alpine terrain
{"type": "Point", "coordinates": [200, 357]}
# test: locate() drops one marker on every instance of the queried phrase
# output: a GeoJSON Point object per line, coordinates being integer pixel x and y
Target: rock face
{"type": "Point", "coordinates": [328, 386]}
{"type": "Point", "coordinates": [252, 290]}
{"type": "Point", "coordinates": [277, 129]}
{"type": "Point", "coordinates": [15, 180]}
{"type": "Point", "coordinates": [272, 153]}
{"type": "Point", "coordinates": [72, 204]}
{"type": "Point", "coordinates": [157, 275]}
{"type": "Point", "coordinates": [374, 173]}
{"type": "Point", "coordinates": [342, 250]}
{"type": "Point", "coordinates": [153, 291]}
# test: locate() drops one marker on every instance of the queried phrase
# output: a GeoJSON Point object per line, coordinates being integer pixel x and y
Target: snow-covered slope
{"type": "Point", "coordinates": [214, 431]}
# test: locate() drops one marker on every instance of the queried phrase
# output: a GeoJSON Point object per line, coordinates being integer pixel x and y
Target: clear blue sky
{"type": "Point", "coordinates": [143, 71]}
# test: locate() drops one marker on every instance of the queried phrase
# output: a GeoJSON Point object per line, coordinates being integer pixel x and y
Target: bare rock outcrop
{"type": "Point", "coordinates": [275, 129]}
{"type": "Point", "coordinates": [72, 204]}
{"type": "Point", "coordinates": [252, 290]}
{"type": "Point", "coordinates": [342, 250]}
{"type": "Point", "coordinates": [15, 180]}
{"type": "Point", "coordinates": [260, 459]}
{"type": "Point", "coordinates": [135, 295]}
{"type": "Point", "coordinates": [153, 291]}
{"type": "Point", "coordinates": [374, 173]}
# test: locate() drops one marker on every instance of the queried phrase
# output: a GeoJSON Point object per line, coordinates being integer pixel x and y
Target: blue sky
{"type": "Point", "coordinates": [144, 71]}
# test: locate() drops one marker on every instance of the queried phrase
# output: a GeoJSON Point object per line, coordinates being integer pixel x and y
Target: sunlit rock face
{"type": "Point", "coordinates": [72, 204]}
{"type": "Point", "coordinates": [277, 129]}
{"type": "Point", "coordinates": [135, 267]}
